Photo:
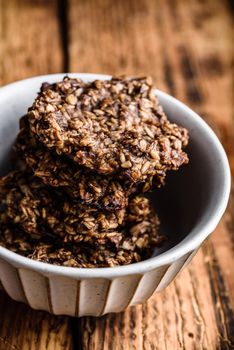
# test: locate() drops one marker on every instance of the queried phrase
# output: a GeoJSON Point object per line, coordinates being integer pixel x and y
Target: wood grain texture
{"type": "Point", "coordinates": [30, 41]}
{"type": "Point", "coordinates": [187, 47]}
{"type": "Point", "coordinates": [30, 44]}
{"type": "Point", "coordinates": [180, 317]}
{"type": "Point", "coordinates": [22, 328]}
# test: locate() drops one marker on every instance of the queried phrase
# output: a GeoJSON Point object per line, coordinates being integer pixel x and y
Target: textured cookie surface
{"type": "Point", "coordinates": [111, 127]}
{"type": "Point", "coordinates": [59, 171]}
{"type": "Point", "coordinates": [46, 226]}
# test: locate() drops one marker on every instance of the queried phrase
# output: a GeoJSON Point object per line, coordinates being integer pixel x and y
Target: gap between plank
{"type": "Point", "coordinates": [63, 10]}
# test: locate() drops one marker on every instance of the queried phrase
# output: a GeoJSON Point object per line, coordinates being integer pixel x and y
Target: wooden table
{"type": "Point", "coordinates": [187, 46]}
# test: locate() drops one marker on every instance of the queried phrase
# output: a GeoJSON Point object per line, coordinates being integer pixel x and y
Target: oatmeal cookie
{"type": "Point", "coordinates": [111, 127]}
{"type": "Point", "coordinates": [30, 205]}
{"type": "Point", "coordinates": [56, 251]}
{"type": "Point", "coordinates": [46, 227]}
{"type": "Point", "coordinates": [59, 171]}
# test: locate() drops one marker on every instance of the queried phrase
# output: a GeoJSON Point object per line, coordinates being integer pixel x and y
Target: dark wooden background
{"type": "Point", "coordinates": [187, 47]}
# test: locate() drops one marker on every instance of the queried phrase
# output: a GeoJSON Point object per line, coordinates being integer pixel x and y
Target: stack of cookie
{"type": "Point", "coordinates": [87, 152]}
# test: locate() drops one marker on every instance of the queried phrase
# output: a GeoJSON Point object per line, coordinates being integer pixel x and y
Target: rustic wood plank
{"type": "Point", "coordinates": [187, 47]}
{"type": "Point", "coordinates": [30, 44]}
{"type": "Point", "coordinates": [177, 318]}
{"type": "Point", "coordinates": [114, 38]}
{"type": "Point", "coordinates": [210, 67]}
{"type": "Point", "coordinates": [23, 328]}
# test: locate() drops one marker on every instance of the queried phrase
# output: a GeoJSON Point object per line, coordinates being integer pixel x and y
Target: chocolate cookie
{"type": "Point", "coordinates": [112, 127]}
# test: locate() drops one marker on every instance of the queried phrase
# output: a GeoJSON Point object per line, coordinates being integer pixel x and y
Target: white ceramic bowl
{"type": "Point", "coordinates": [190, 207]}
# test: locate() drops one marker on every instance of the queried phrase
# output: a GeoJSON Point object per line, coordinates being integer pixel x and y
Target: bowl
{"type": "Point", "coordinates": [190, 207]}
